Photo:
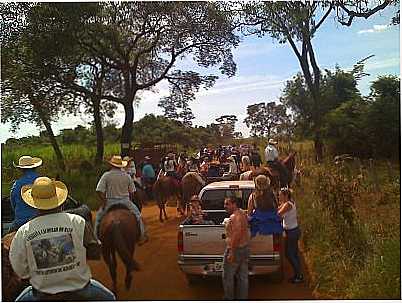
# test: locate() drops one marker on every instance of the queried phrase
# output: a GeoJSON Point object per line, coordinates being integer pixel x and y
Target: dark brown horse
{"type": "Point", "coordinates": [164, 188]}
{"type": "Point", "coordinates": [191, 185]}
{"type": "Point", "coordinates": [273, 175]}
{"type": "Point", "coordinates": [119, 232]}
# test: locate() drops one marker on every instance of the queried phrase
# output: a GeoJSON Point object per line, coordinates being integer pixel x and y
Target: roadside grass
{"type": "Point", "coordinates": [350, 219]}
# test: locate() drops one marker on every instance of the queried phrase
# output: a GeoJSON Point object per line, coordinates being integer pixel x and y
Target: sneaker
{"type": "Point", "coordinates": [297, 279]}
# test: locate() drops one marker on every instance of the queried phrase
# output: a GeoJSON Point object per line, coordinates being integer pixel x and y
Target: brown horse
{"type": "Point", "coordinates": [164, 188]}
{"type": "Point", "coordinates": [119, 232]}
{"type": "Point", "coordinates": [273, 175]}
{"type": "Point", "coordinates": [190, 185]}
{"type": "Point", "coordinates": [12, 285]}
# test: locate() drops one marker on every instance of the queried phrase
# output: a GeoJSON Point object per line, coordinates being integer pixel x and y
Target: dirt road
{"type": "Point", "coordinates": [161, 279]}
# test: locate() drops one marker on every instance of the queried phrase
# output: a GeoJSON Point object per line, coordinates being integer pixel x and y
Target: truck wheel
{"type": "Point", "coordinates": [192, 279]}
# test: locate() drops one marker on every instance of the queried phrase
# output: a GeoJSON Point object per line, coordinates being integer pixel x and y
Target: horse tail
{"type": "Point", "coordinates": [119, 243]}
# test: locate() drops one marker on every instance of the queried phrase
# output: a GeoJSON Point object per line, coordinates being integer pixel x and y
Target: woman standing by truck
{"type": "Point", "coordinates": [287, 210]}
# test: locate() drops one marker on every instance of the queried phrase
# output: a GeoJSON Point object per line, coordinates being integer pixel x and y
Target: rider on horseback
{"type": "Point", "coordinates": [271, 158]}
{"type": "Point", "coordinates": [114, 187]}
{"type": "Point", "coordinates": [57, 271]}
{"type": "Point", "coordinates": [22, 211]}
{"type": "Point", "coordinates": [170, 166]}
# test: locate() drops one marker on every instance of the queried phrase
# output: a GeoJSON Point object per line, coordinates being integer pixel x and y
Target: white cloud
{"type": "Point", "coordinates": [381, 64]}
{"type": "Point", "coordinates": [377, 28]}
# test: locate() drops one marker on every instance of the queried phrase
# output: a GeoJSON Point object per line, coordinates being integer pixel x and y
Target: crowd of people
{"type": "Point", "coordinates": [37, 202]}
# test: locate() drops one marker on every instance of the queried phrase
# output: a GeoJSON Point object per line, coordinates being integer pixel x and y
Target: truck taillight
{"type": "Point", "coordinates": [180, 241]}
{"type": "Point", "coordinates": [277, 242]}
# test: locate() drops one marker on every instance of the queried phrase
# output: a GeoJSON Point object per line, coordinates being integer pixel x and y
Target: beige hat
{"type": "Point", "coordinates": [116, 161]}
{"type": "Point", "coordinates": [28, 162]}
{"type": "Point", "coordinates": [262, 182]}
{"type": "Point", "coordinates": [272, 141]}
{"type": "Point", "coordinates": [44, 193]}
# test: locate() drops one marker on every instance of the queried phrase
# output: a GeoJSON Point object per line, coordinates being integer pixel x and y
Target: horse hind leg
{"type": "Point", "coordinates": [164, 211]}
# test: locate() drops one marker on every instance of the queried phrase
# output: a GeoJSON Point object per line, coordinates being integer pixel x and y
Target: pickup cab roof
{"type": "Point", "coordinates": [230, 184]}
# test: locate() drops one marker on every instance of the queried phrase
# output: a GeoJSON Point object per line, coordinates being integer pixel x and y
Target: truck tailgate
{"type": "Point", "coordinates": [203, 239]}
{"type": "Point", "coordinates": [210, 240]}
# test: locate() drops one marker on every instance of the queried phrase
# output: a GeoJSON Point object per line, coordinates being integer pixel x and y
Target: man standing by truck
{"type": "Point", "coordinates": [236, 257]}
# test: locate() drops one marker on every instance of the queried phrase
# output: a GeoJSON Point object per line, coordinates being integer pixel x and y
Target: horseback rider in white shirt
{"type": "Point", "coordinates": [271, 158]}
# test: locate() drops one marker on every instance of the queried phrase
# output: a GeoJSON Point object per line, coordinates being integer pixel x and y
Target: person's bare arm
{"type": "Point", "coordinates": [102, 198]}
{"type": "Point", "coordinates": [250, 205]}
{"type": "Point", "coordinates": [285, 207]}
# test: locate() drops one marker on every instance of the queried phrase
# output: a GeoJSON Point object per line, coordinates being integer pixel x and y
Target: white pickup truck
{"type": "Point", "coordinates": [201, 247]}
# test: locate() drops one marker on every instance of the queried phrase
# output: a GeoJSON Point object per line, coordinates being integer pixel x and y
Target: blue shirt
{"type": "Point", "coordinates": [265, 223]}
{"type": "Point", "coordinates": [148, 171]}
{"type": "Point", "coordinates": [22, 211]}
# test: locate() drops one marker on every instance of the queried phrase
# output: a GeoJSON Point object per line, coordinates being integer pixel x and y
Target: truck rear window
{"type": "Point", "coordinates": [214, 199]}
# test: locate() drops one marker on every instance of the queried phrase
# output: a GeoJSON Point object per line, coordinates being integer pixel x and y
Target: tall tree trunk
{"type": "Point", "coordinates": [127, 129]}
{"type": "Point", "coordinates": [50, 134]}
{"type": "Point", "coordinates": [99, 130]}
{"type": "Point", "coordinates": [318, 147]}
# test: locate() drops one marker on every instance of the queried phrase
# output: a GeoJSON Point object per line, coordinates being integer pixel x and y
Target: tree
{"type": "Point", "coordinates": [337, 88]}
{"type": "Point", "coordinates": [227, 126]}
{"type": "Point", "coordinates": [297, 23]}
{"type": "Point", "coordinates": [28, 95]}
{"type": "Point", "coordinates": [265, 119]}
{"type": "Point", "coordinates": [53, 28]}
{"type": "Point", "coordinates": [142, 41]}
{"type": "Point", "coordinates": [383, 117]}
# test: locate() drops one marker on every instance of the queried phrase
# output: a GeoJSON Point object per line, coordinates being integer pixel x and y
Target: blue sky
{"type": "Point", "coordinates": [263, 68]}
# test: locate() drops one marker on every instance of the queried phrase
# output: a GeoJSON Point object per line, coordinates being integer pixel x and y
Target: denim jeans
{"type": "Point", "coordinates": [93, 291]}
{"type": "Point", "coordinates": [292, 249]}
{"type": "Point", "coordinates": [126, 202]}
{"type": "Point", "coordinates": [238, 269]}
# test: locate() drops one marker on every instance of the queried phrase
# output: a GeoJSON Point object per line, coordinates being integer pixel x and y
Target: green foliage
{"type": "Point", "coordinates": [381, 276]}
{"type": "Point", "coordinates": [266, 119]}
{"type": "Point", "coordinates": [350, 217]}
{"type": "Point", "coordinates": [383, 117]}
{"type": "Point", "coordinates": [371, 127]}
{"type": "Point", "coordinates": [159, 129]}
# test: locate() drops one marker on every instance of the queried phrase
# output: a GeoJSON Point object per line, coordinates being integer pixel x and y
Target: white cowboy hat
{"type": "Point", "coordinates": [28, 162]}
{"type": "Point", "coordinates": [272, 141]}
{"type": "Point", "coordinates": [44, 193]}
{"type": "Point", "coordinates": [116, 161]}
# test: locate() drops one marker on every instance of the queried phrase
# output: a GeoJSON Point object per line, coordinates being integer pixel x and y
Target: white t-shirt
{"type": "Point", "coordinates": [169, 165]}
{"type": "Point", "coordinates": [130, 169]}
{"type": "Point", "coordinates": [271, 153]}
{"type": "Point", "coordinates": [290, 217]}
{"type": "Point", "coordinates": [116, 184]}
{"type": "Point", "coordinates": [232, 167]}
{"type": "Point", "coordinates": [49, 251]}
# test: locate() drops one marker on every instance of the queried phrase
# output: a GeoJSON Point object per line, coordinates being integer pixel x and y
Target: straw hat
{"type": "Point", "coordinates": [28, 162]}
{"type": "Point", "coordinates": [262, 182]}
{"type": "Point", "coordinates": [272, 141]}
{"type": "Point", "coordinates": [44, 193]}
{"type": "Point", "coordinates": [116, 161]}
